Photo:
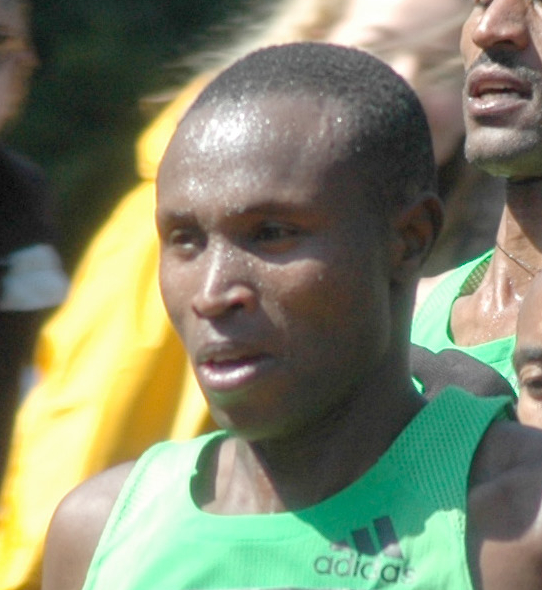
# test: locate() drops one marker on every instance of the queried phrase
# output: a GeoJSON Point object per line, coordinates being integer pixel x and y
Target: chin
{"type": "Point", "coordinates": [513, 157]}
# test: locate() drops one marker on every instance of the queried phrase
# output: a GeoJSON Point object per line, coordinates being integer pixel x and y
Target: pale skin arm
{"type": "Point", "coordinates": [76, 528]}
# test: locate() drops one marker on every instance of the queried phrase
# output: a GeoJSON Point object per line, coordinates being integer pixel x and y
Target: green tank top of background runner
{"type": "Point", "coordinates": [431, 324]}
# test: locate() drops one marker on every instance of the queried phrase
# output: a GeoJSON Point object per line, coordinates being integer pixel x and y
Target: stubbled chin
{"type": "Point", "coordinates": [505, 153]}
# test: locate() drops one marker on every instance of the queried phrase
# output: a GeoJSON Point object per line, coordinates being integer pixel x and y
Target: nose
{"type": "Point", "coordinates": [29, 58]}
{"type": "Point", "coordinates": [25, 54]}
{"type": "Point", "coordinates": [502, 23]}
{"type": "Point", "coordinates": [226, 285]}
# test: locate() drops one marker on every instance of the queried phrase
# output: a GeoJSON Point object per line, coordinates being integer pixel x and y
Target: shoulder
{"type": "Point", "coordinates": [426, 285]}
{"type": "Point", "coordinates": [76, 528]}
{"type": "Point", "coordinates": [507, 447]}
{"type": "Point", "coordinates": [505, 507]}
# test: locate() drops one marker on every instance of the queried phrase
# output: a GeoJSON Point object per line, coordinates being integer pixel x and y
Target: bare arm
{"type": "Point", "coordinates": [76, 528]}
{"type": "Point", "coordinates": [504, 524]}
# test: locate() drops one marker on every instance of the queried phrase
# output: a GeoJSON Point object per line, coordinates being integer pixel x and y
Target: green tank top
{"type": "Point", "coordinates": [431, 324]}
{"type": "Point", "coordinates": [400, 526]}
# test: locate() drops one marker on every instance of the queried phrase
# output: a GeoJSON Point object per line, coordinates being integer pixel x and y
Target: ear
{"type": "Point", "coordinates": [415, 229]}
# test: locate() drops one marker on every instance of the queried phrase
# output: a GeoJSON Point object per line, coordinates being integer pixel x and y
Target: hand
{"type": "Point", "coordinates": [453, 367]}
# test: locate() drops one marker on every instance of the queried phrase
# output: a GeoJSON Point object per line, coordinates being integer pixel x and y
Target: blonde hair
{"type": "Point", "coordinates": [285, 21]}
{"type": "Point", "coordinates": [449, 70]}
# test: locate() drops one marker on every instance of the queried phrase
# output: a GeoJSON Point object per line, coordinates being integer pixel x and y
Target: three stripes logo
{"type": "Point", "coordinates": [386, 536]}
{"type": "Point", "coordinates": [377, 556]}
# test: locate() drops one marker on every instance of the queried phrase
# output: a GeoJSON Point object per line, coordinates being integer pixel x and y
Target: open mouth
{"type": "Point", "coordinates": [493, 96]}
{"type": "Point", "coordinates": [230, 369]}
{"type": "Point", "coordinates": [224, 356]}
{"type": "Point", "coordinates": [232, 364]}
{"type": "Point", "coordinates": [490, 86]}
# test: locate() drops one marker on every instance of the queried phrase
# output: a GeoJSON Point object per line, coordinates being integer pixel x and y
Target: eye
{"type": "Point", "coordinates": [530, 380]}
{"type": "Point", "coordinates": [533, 383]}
{"type": "Point", "coordinates": [274, 231]}
{"type": "Point", "coordinates": [276, 237]}
{"type": "Point", "coordinates": [5, 46]}
{"type": "Point", "coordinates": [10, 44]}
{"type": "Point", "coordinates": [186, 242]}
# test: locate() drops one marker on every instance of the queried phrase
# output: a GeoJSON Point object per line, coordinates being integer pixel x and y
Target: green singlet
{"type": "Point", "coordinates": [400, 526]}
{"type": "Point", "coordinates": [431, 325]}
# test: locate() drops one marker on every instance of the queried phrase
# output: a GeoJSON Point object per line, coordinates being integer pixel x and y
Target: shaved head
{"type": "Point", "coordinates": [384, 125]}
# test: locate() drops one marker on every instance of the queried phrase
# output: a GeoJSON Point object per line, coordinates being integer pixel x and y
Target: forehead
{"type": "Point", "coordinates": [273, 119]}
{"type": "Point", "coordinates": [368, 22]}
{"type": "Point", "coordinates": [13, 14]}
{"type": "Point", "coordinates": [277, 145]}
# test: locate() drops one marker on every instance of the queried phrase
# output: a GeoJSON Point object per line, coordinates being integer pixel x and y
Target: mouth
{"type": "Point", "coordinates": [492, 92]}
{"type": "Point", "coordinates": [488, 86]}
{"type": "Point", "coordinates": [225, 368]}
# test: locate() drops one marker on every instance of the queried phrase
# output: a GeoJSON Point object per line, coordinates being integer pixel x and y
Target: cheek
{"type": "Point", "coordinates": [529, 410]}
{"type": "Point", "coordinates": [466, 46]}
{"type": "Point", "coordinates": [174, 298]}
{"type": "Point", "coordinates": [300, 292]}
{"type": "Point", "coordinates": [13, 81]}
{"type": "Point", "coordinates": [5, 94]}
{"type": "Point", "coordinates": [317, 299]}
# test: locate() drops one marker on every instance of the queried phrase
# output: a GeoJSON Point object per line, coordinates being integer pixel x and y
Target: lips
{"type": "Point", "coordinates": [226, 367]}
{"type": "Point", "coordinates": [482, 83]}
{"type": "Point", "coordinates": [496, 91]}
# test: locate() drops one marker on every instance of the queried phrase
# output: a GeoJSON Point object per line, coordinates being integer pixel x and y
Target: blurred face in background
{"type": "Point", "coordinates": [419, 39]}
{"type": "Point", "coordinates": [17, 57]}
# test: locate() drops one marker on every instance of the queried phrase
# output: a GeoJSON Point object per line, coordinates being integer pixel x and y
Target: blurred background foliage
{"type": "Point", "coordinates": [99, 59]}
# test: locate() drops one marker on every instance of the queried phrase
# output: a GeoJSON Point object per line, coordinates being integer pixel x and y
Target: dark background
{"type": "Point", "coordinates": [99, 58]}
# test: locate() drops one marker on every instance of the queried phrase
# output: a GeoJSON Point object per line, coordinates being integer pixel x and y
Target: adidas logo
{"type": "Point", "coordinates": [371, 560]}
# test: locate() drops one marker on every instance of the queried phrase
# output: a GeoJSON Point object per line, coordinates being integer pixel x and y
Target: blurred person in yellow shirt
{"type": "Point", "coordinates": [32, 280]}
{"type": "Point", "coordinates": [113, 377]}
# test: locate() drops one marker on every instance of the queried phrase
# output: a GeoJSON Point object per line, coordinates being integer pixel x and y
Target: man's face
{"type": "Point", "coordinates": [528, 356]}
{"type": "Point", "coordinates": [17, 58]}
{"type": "Point", "coordinates": [502, 48]}
{"type": "Point", "coordinates": [274, 275]}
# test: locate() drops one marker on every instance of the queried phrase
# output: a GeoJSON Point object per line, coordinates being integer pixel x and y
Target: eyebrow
{"type": "Point", "coordinates": [263, 208]}
{"type": "Point", "coordinates": [526, 354]}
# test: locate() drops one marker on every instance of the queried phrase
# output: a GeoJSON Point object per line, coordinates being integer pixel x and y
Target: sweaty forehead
{"type": "Point", "coordinates": [275, 119]}
{"type": "Point", "coordinates": [253, 150]}
{"type": "Point", "coordinates": [273, 132]}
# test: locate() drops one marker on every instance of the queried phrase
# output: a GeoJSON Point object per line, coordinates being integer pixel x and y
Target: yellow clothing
{"type": "Point", "coordinates": [114, 376]}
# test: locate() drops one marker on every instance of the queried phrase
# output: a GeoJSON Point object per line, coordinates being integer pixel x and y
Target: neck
{"type": "Point", "coordinates": [491, 311]}
{"type": "Point", "coordinates": [319, 459]}
{"type": "Point", "coordinates": [518, 256]}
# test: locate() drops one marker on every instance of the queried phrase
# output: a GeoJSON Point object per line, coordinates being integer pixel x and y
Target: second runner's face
{"type": "Point", "coordinates": [272, 274]}
{"type": "Point", "coordinates": [17, 58]}
{"type": "Point", "coordinates": [502, 48]}
{"type": "Point", "coordinates": [528, 356]}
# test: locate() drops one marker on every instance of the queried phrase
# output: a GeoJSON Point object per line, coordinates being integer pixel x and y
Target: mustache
{"type": "Point", "coordinates": [506, 59]}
